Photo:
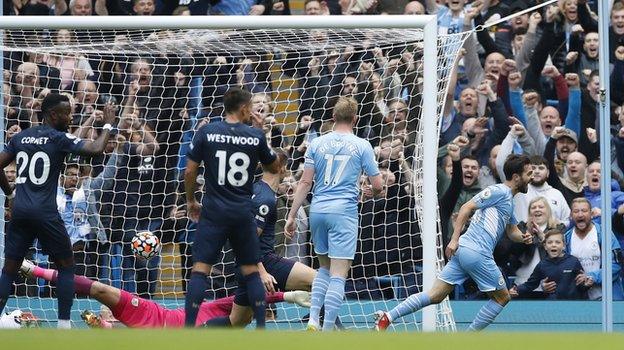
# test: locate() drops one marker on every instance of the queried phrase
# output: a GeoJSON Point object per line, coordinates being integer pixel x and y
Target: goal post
{"type": "Point", "coordinates": [438, 55]}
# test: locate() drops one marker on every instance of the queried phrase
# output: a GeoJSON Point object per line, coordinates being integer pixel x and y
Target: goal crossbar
{"type": "Point", "coordinates": [215, 22]}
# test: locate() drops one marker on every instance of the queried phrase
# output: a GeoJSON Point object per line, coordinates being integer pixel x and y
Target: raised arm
{"type": "Point", "coordinates": [573, 116]}
{"type": "Point", "coordinates": [94, 148]}
{"type": "Point", "coordinates": [450, 94]}
{"type": "Point", "coordinates": [147, 145]}
{"type": "Point", "coordinates": [523, 58]}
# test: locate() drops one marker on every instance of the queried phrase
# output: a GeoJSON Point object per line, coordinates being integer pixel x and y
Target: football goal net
{"type": "Point", "coordinates": [166, 77]}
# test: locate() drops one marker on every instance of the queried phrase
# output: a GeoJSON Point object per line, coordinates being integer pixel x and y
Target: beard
{"type": "Point", "coordinates": [523, 187]}
{"type": "Point", "coordinates": [538, 183]}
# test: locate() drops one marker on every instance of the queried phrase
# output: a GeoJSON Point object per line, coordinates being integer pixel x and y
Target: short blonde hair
{"type": "Point", "coordinates": [345, 110]}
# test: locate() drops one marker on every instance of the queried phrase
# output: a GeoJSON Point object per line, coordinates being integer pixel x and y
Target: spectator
{"type": "Point", "coordinates": [565, 142]}
{"type": "Point", "coordinates": [132, 198]}
{"type": "Point", "coordinates": [616, 29]}
{"type": "Point", "coordinates": [451, 18]}
{"type": "Point", "coordinates": [315, 8]}
{"type": "Point", "coordinates": [414, 8]}
{"type": "Point", "coordinates": [539, 188]}
{"type": "Point", "coordinates": [560, 273]}
{"type": "Point", "coordinates": [593, 193]}
{"type": "Point", "coordinates": [583, 63]}
{"type": "Point", "coordinates": [488, 174]}
{"type": "Point", "coordinates": [572, 183]}
{"type": "Point", "coordinates": [584, 242]}
{"type": "Point", "coordinates": [27, 95]}
{"type": "Point", "coordinates": [81, 7]}
{"type": "Point", "coordinates": [86, 98]}
{"type": "Point", "coordinates": [455, 118]}
{"type": "Point", "coordinates": [143, 7]}
{"type": "Point", "coordinates": [464, 185]}
{"type": "Point", "coordinates": [77, 200]}
{"type": "Point", "coordinates": [73, 67]}
{"type": "Point", "coordinates": [298, 247]}
{"type": "Point", "coordinates": [539, 220]}
{"type": "Point", "coordinates": [72, 205]}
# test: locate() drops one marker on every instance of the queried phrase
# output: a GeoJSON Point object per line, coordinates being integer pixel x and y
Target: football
{"type": "Point", "coordinates": [145, 245]}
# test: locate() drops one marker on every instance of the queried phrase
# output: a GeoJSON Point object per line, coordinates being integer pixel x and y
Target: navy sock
{"type": "Point", "coordinates": [195, 292]}
{"type": "Point", "coordinates": [65, 292]}
{"type": "Point", "coordinates": [6, 284]}
{"type": "Point", "coordinates": [256, 295]}
{"type": "Point", "coordinates": [218, 322]}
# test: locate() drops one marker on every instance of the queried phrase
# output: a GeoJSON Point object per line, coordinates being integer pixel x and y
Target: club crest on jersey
{"type": "Point", "coordinates": [134, 301]}
{"type": "Point", "coordinates": [501, 281]}
{"type": "Point", "coordinates": [263, 210]}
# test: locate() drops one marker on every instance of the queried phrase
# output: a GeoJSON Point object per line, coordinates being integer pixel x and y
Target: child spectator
{"type": "Point", "coordinates": [560, 274]}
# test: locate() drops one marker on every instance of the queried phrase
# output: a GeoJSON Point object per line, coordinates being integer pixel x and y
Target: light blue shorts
{"type": "Point", "coordinates": [334, 235]}
{"type": "Point", "coordinates": [482, 269]}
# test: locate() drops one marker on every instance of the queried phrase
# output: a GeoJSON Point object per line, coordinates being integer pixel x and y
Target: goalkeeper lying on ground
{"type": "Point", "coordinates": [137, 312]}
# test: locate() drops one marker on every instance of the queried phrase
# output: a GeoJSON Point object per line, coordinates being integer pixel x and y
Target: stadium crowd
{"type": "Point", "coordinates": [528, 85]}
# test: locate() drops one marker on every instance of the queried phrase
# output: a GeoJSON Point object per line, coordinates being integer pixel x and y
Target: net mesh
{"type": "Point", "coordinates": [166, 84]}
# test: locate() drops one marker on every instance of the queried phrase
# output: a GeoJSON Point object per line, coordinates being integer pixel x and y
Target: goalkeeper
{"type": "Point", "coordinates": [136, 312]}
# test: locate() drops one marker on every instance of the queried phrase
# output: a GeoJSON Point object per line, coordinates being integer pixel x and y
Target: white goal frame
{"type": "Point", "coordinates": [427, 23]}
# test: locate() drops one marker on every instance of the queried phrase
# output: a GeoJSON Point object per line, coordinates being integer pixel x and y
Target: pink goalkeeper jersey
{"type": "Point", "coordinates": [135, 312]}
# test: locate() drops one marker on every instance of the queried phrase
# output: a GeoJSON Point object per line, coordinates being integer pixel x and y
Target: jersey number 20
{"type": "Point", "coordinates": [23, 163]}
{"type": "Point", "coordinates": [235, 168]}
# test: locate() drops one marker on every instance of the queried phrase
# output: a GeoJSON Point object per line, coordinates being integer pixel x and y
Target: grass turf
{"type": "Point", "coordinates": [237, 339]}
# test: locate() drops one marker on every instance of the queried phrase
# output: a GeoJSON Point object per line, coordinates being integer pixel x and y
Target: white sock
{"type": "Point", "coordinates": [63, 324]}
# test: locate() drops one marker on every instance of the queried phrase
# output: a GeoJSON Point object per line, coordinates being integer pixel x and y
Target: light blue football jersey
{"type": "Point", "coordinates": [338, 160]}
{"type": "Point", "coordinates": [447, 24]}
{"type": "Point", "coordinates": [489, 222]}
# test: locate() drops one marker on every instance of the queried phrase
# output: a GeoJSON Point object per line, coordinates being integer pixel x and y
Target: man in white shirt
{"type": "Point", "coordinates": [538, 187]}
{"type": "Point", "coordinates": [583, 242]}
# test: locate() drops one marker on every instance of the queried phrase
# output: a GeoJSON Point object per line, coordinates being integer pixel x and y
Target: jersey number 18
{"type": "Point", "coordinates": [235, 168]}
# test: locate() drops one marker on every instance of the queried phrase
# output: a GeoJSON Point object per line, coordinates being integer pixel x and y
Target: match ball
{"type": "Point", "coordinates": [145, 245]}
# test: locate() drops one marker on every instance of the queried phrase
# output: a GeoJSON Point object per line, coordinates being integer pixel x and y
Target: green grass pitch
{"type": "Point", "coordinates": [250, 340]}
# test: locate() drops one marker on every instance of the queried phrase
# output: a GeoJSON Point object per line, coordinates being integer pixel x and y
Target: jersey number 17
{"type": "Point", "coordinates": [342, 161]}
